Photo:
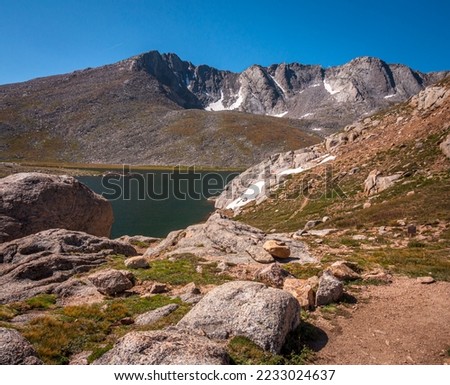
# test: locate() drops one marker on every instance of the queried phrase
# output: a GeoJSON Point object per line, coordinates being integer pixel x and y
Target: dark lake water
{"type": "Point", "coordinates": [153, 203]}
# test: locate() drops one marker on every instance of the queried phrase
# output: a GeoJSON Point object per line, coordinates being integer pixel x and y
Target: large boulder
{"type": "Point", "coordinates": [112, 281]}
{"type": "Point", "coordinates": [345, 271]}
{"type": "Point", "coordinates": [32, 202]}
{"type": "Point", "coordinates": [165, 347]}
{"type": "Point", "coordinates": [39, 263]}
{"type": "Point", "coordinates": [16, 350]}
{"type": "Point", "coordinates": [263, 314]}
{"type": "Point", "coordinates": [302, 290]}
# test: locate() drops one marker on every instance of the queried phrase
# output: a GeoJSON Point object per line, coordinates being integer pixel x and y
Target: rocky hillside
{"type": "Point", "coordinates": [157, 109]}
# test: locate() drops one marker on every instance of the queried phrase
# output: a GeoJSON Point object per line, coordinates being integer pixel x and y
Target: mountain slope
{"type": "Point", "coordinates": [148, 110]}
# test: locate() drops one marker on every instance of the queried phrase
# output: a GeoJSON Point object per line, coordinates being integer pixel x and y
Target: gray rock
{"type": "Point", "coordinates": [41, 262]}
{"type": "Point", "coordinates": [277, 249]}
{"type": "Point", "coordinates": [223, 239]}
{"type": "Point", "coordinates": [32, 202]}
{"type": "Point", "coordinates": [16, 350]}
{"type": "Point", "coordinates": [168, 347]}
{"type": "Point", "coordinates": [273, 275]}
{"type": "Point", "coordinates": [311, 224]}
{"type": "Point", "coordinates": [137, 263]}
{"type": "Point", "coordinates": [111, 281]}
{"type": "Point", "coordinates": [153, 316]}
{"type": "Point", "coordinates": [263, 314]}
{"type": "Point", "coordinates": [330, 289]}
{"type": "Point", "coordinates": [344, 271]}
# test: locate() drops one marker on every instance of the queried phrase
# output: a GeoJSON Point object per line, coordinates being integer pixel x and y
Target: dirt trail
{"type": "Point", "coordinates": [402, 323]}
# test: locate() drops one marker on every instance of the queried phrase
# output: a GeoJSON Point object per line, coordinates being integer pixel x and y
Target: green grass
{"type": "Point", "coordinates": [64, 332]}
{"type": "Point", "coordinates": [302, 271]}
{"type": "Point", "coordinates": [41, 301]}
{"type": "Point", "coordinates": [179, 271]}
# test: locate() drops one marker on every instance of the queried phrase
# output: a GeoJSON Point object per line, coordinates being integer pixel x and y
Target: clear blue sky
{"type": "Point", "coordinates": [45, 37]}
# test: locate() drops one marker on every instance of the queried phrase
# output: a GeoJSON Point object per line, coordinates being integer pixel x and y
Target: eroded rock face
{"type": "Point", "coordinates": [263, 314]}
{"type": "Point", "coordinates": [32, 202]}
{"type": "Point", "coordinates": [445, 146]}
{"type": "Point", "coordinates": [16, 350]}
{"type": "Point", "coordinates": [39, 263]}
{"type": "Point", "coordinates": [224, 239]}
{"type": "Point", "coordinates": [165, 347]}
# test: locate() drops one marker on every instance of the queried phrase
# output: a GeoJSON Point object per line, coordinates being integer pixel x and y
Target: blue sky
{"type": "Point", "coordinates": [45, 37]}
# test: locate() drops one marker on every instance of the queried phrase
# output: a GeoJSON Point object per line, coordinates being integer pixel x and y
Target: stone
{"type": "Point", "coordinates": [311, 224]}
{"type": "Point", "coordinates": [378, 275]}
{"type": "Point", "coordinates": [302, 290]}
{"type": "Point", "coordinates": [33, 202]}
{"type": "Point", "coordinates": [164, 347]}
{"type": "Point", "coordinates": [223, 239]}
{"type": "Point", "coordinates": [272, 275]}
{"type": "Point", "coordinates": [260, 255]}
{"type": "Point", "coordinates": [77, 291]}
{"type": "Point", "coordinates": [138, 240]}
{"type": "Point", "coordinates": [277, 249]}
{"type": "Point", "coordinates": [41, 262]}
{"type": "Point", "coordinates": [344, 271]}
{"type": "Point", "coordinates": [190, 293]}
{"type": "Point", "coordinates": [325, 219]}
{"type": "Point", "coordinates": [445, 146]}
{"type": "Point", "coordinates": [263, 314]}
{"type": "Point", "coordinates": [158, 288]}
{"type": "Point", "coordinates": [15, 349]}
{"type": "Point", "coordinates": [112, 282]}
{"type": "Point", "coordinates": [153, 316]}
{"type": "Point", "coordinates": [425, 280]}
{"type": "Point", "coordinates": [330, 289]}
{"type": "Point", "coordinates": [80, 358]}
{"type": "Point", "coordinates": [138, 262]}
{"type": "Point", "coordinates": [375, 183]}
{"type": "Point", "coordinates": [367, 205]}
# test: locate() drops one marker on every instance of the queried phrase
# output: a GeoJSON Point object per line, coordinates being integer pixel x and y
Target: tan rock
{"type": "Point", "coordinates": [138, 262]}
{"type": "Point", "coordinates": [302, 290]}
{"type": "Point", "coordinates": [277, 249]}
{"type": "Point", "coordinates": [344, 271]}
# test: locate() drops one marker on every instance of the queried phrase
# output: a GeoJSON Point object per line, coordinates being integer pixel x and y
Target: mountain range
{"type": "Point", "coordinates": [157, 109]}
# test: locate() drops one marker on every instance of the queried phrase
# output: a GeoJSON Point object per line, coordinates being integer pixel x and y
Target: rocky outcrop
{"type": "Point", "coordinates": [375, 183]}
{"type": "Point", "coordinates": [330, 289]}
{"type": "Point", "coordinates": [32, 202]}
{"type": "Point", "coordinates": [168, 347]}
{"type": "Point", "coordinates": [39, 263]}
{"type": "Point", "coordinates": [263, 314]}
{"type": "Point", "coordinates": [16, 350]}
{"type": "Point", "coordinates": [153, 316]}
{"type": "Point", "coordinates": [112, 282]}
{"type": "Point", "coordinates": [221, 238]}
